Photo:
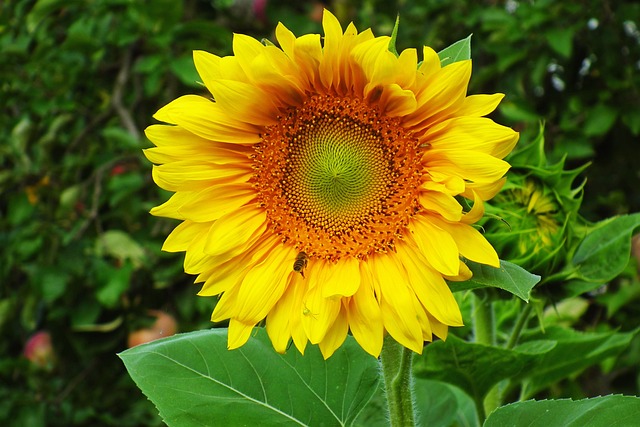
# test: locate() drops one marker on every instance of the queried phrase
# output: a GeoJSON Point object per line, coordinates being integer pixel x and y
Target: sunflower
{"type": "Point", "coordinates": [321, 188]}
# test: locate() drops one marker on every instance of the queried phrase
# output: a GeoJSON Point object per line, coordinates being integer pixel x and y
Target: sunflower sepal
{"type": "Point", "coordinates": [458, 51]}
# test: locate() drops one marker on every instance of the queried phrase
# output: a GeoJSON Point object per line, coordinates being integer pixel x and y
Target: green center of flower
{"type": "Point", "coordinates": [337, 178]}
{"type": "Point", "coordinates": [335, 173]}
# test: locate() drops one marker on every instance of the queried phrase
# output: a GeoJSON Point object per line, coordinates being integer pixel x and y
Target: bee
{"type": "Point", "coordinates": [301, 263]}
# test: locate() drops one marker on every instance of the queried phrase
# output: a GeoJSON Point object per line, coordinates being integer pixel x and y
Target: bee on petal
{"type": "Point", "coordinates": [302, 259]}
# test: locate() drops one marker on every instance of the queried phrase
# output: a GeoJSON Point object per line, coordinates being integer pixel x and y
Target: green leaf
{"type": "Point", "coordinates": [604, 253]}
{"type": "Point", "coordinates": [509, 277]}
{"type": "Point", "coordinates": [114, 281]}
{"type": "Point", "coordinates": [194, 380]}
{"type": "Point", "coordinates": [561, 40]}
{"type": "Point", "coordinates": [573, 352]}
{"type": "Point", "coordinates": [599, 121]}
{"type": "Point", "coordinates": [184, 69]}
{"type": "Point", "coordinates": [441, 404]}
{"type": "Point", "coordinates": [459, 51]}
{"type": "Point", "coordinates": [121, 246]}
{"type": "Point", "coordinates": [475, 368]}
{"type": "Point", "coordinates": [603, 411]}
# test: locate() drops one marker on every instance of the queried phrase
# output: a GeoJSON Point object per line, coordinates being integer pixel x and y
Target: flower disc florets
{"type": "Point", "coordinates": [337, 178]}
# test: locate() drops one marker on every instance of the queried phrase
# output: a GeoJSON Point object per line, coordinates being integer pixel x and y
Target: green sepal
{"type": "Point", "coordinates": [394, 36]}
{"type": "Point", "coordinates": [458, 51]}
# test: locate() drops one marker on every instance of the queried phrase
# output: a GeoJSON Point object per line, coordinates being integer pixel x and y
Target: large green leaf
{"type": "Point", "coordinates": [573, 352]}
{"type": "Point", "coordinates": [194, 380]}
{"type": "Point", "coordinates": [604, 253]}
{"type": "Point", "coordinates": [602, 411]}
{"type": "Point", "coordinates": [509, 277]}
{"type": "Point", "coordinates": [475, 368]}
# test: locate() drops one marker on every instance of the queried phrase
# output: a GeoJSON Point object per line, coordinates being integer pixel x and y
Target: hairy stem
{"type": "Point", "coordinates": [396, 370]}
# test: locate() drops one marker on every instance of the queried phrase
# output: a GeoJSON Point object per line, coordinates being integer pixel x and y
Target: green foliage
{"type": "Point", "coordinates": [474, 368]}
{"type": "Point", "coordinates": [596, 412]}
{"type": "Point", "coordinates": [194, 380]}
{"type": "Point", "coordinates": [603, 254]}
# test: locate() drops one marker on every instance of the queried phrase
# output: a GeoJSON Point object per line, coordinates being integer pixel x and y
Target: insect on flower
{"type": "Point", "coordinates": [302, 259]}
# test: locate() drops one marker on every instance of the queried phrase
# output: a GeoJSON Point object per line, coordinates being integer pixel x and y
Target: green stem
{"type": "Point", "coordinates": [396, 370]}
{"type": "Point", "coordinates": [483, 320]}
{"type": "Point", "coordinates": [517, 328]}
{"type": "Point", "coordinates": [484, 330]}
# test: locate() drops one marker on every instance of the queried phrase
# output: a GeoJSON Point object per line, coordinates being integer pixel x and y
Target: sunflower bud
{"type": "Point", "coordinates": [533, 220]}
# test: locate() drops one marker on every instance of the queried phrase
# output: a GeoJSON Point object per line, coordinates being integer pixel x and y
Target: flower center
{"type": "Point", "coordinates": [337, 178]}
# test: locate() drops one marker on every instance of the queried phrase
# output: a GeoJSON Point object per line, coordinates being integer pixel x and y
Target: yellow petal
{"type": "Point", "coordinates": [471, 243]}
{"type": "Point", "coordinates": [430, 62]}
{"type": "Point", "coordinates": [245, 49]}
{"type": "Point", "coordinates": [226, 271]}
{"type": "Point", "coordinates": [244, 100]}
{"type": "Point", "coordinates": [365, 319]}
{"type": "Point", "coordinates": [436, 244]}
{"type": "Point", "coordinates": [447, 88]}
{"type": "Point", "coordinates": [439, 329]}
{"type": "Point", "coordinates": [286, 40]}
{"type": "Point", "coordinates": [405, 74]}
{"type": "Point", "coordinates": [209, 120]}
{"type": "Point", "coordinates": [174, 143]}
{"type": "Point", "coordinates": [476, 212]}
{"type": "Point", "coordinates": [213, 202]}
{"type": "Point", "coordinates": [278, 322]}
{"type": "Point", "coordinates": [195, 260]}
{"type": "Point", "coordinates": [397, 302]}
{"type": "Point", "coordinates": [474, 134]}
{"type": "Point", "coordinates": [429, 286]}
{"type": "Point", "coordinates": [396, 101]}
{"type": "Point", "coordinates": [318, 312]}
{"type": "Point", "coordinates": [332, 30]}
{"type": "Point", "coordinates": [212, 67]}
{"type": "Point", "coordinates": [183, 235]}
{"type": "Point", "coordinates": [170, 208]}
{"type": "Point", "coordinates": [342, 278]}
{"type": "Point", "coordinates": [479, 105]}
{"type": "Point", "coordinates": [264, 284]}
{"type": "Point", "coordinates": [195, 176]}
{"type": "Point", "coordinates": [239, 333]}
{"type": "Point", "coordinates": [464, 275]}
{"type": "Point", "coordinates": [423, 320]}
{"type": "Point", "coordinates": [372, 57]}
{"type": "Point", "coordinates": [468, 164]}
{"type": "Point", "coordinates": [335, 336]}
{"type": "Point", "coordinates": [226, 307]}
{"type": "Point", "coordinates": [226, 275]}
{"type": "Point", "coordinates": [232, 232]}
{"type": "Point", "coordinates": [444, 204]}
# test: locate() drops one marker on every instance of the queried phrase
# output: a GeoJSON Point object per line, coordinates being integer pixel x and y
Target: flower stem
{"type": "Point", "coordinates": [520, 323]}
{"type": "Point", "coordinates": [396, 370]}
{"type": "Point", "coordinates": [484, 330]}
{"type": "Point", "coordinates": [483, 320]}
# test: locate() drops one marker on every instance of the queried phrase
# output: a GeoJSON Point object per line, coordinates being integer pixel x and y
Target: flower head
{"type": "Point", "coordinates": [320, 188]}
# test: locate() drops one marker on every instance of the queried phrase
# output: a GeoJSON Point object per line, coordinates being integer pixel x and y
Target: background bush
{"type": "Point", "coordinates": [80, 80]}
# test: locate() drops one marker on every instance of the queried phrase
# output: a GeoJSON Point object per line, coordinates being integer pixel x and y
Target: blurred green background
{"type": "Point", "coordinates": [79, 82]}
